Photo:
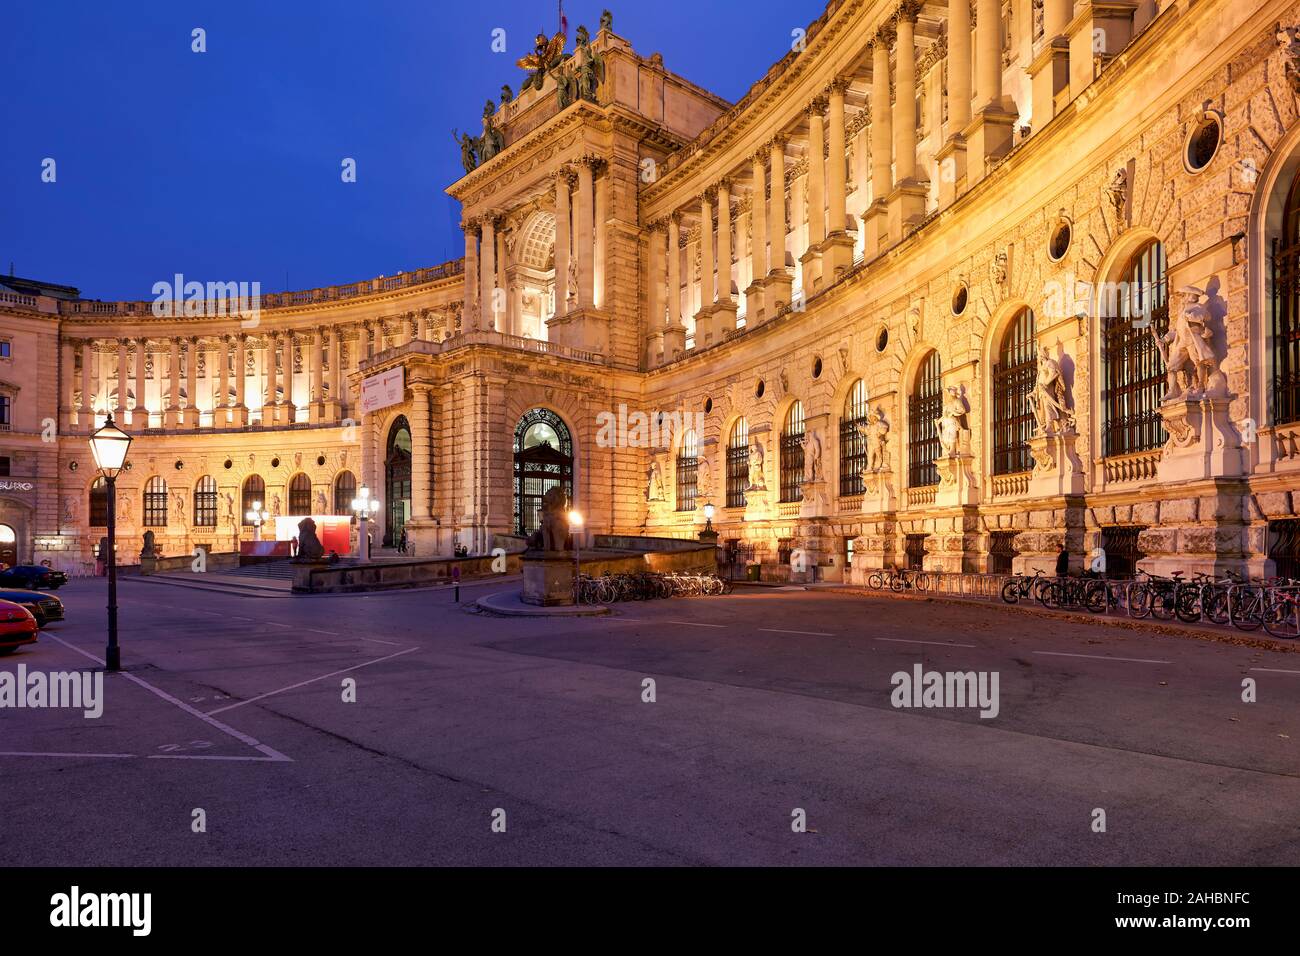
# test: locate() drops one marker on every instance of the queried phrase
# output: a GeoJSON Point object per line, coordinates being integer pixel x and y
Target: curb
{"type": "Point", "coordinates": [507, 604]}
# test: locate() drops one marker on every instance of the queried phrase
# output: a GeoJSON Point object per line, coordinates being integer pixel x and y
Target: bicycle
{"type": "Point", "coordinates": [1024, 586]}
{"type": "Point", "coordinates": [1282, 618]}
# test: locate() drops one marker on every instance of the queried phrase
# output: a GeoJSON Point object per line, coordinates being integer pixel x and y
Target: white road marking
{"type": "Point", "coordinates": [691, 623]}
{"type": "Point", "coordinates": [900, 640]}
{"type": "Point", "coordinates": [779, 630]}
{"type": "Point", "coordinates": [206, 718]}
{"type": "Point", "coordinates": [211, 757]}
{"type": "Point", "coordinates": [1274, 670]}
{"type": "Point", "coordinates": [375, 640]}
{"type": "Point", "coordinates": [1101, 657]}
{"type": "Point", "coordinates": [21, 753]}
{"type": "Point", "coordinates": [304, 683]}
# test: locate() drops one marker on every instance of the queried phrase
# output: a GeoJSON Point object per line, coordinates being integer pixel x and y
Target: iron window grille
{"type": "Point", "coordinates": [792, 463]}
{"type": "Point", "coordinates": [205, 502]}
{"type": "Point", "coordinates": [345, 489]}
{"type": "Point", "coordinates": [688, 472]}
{"type": "Point", "coordinates": [853, 447]}
{"type": "Point", "coordinates": [300, 495]}
{"type": "Point", "coordinates": [254, 490]}
{"type": "Point", "coordinates": [738, 464]}
{"type": "Point", "coordinates": [1014, 374]}
{"type": "Point", "coordinates": [1134, 373]}
{"type": "Point", "coordinates": [1286, 313]}
{"type": "Point", "coordinates": [99, 503]}
{"type": "Point", "coordinates": [923, 408]}
{"type": "Point", "coordinates": [155, 503]}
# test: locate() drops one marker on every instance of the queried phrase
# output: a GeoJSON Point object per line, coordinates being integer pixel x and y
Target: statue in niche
{"type": "Point", "coordinates": [949, 422]}
{"type": "Point", "coordinates": [1188, 347]}
{"type": "Point", "coordinates": [875, 433]}
{"type": "Point", "coordinates": [123, 507]}
{"type": "Point", "coordinates": [812, 456]}
{"type": "Point", "coordinates": [654, 482]}
{"type": "Point", "coordinates": [756, 458]}
{"type": "Point", "coordinates": [230, 508]}
{"type": "Point", "coordinates": [1048, 400]}
{"type": "Point", "coordinates": [275, 505]}
{"type": "Point", "coordinates": [69, 510]}
{"type": "Point", "coordinates": [320, 502]}
{"type": "Point", "coordinates": [178, 507]}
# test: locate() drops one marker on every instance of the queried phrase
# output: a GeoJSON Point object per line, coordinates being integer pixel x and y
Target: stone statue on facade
{"type": "Point", "coordinates": [507, 94]}
{"type": "Point", "coordinates": [1048, 400]}
{"type": "Point", "coordinates": [178, 506]}
{"type": "Point", "coordinates": [555, 522]}
{"type": "Point", "coordinates": [320, 502]}
{"type": "Point", "coordinates": [123, 507]}
{"type": "Point", "coordinates": [230, 508]}
{"type": "Point", "coordinates": [493, 140]}
{"type": "Point", "coordinates": [1116, 191]}
{"type": "Point", "coordinates": [875, 434]}
{"type": "Point", "coordinates": [150, 548]}
{"type": "Point", "coordinates": [589, 70]}
{"type": "Point", "coordinates": [756, 480]}
{"type": "Point", "coordinates": [654, 482]}
{"type": "Point", "coordinates": [309, 546]}
{"type": "Point", "coordinates": [949, 422]}
{"type": "Point", "coordinates": [546, 56]}
{"type": "Point", "coordinates": [468, 150]}
{"type": "Point", "coordinates": [812, 457]}
{"type": "Point", "coordinates": [606, 21]}
{"type": "Point", "coordinates": [1188, 348]}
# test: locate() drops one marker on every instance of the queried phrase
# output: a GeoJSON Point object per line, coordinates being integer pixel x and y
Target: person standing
{"type": "Point", "coordinates": [1063, 564]}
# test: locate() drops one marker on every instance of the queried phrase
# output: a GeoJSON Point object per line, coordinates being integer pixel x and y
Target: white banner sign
{"type": "Point", "coordinates": [380, 391]}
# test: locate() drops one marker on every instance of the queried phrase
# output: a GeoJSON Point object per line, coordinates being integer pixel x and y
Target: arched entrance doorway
{"type": "Point", "coordinates": [397, 481]}
{"type": "Point", "coordinates": [8, 546]}
{"type": "Point", "coordinates": [543, 459]}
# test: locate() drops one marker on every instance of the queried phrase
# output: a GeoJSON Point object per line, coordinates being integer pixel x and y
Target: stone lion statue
{"type": "Point", "coordinates": [309, 546]}
{"type": "Point", "coordinates": [555, 522]}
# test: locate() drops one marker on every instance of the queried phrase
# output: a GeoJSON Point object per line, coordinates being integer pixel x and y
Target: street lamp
{"type": "Point", "coordinates": [575, 522]}
{"type": "Point", "coordinates": [364, 506]}
{"type": "Point", "coordinates": [256, 517]}
{"type": "Point", "coordinates": [109, 444]}
{"type": "Point", "coordinates": [708, 516]}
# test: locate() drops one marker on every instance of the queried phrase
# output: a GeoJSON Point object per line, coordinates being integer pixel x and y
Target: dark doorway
{"type": "Point", "coordinates": [397, 481]}
{"type": "Point", "coordinates": [543, 460]}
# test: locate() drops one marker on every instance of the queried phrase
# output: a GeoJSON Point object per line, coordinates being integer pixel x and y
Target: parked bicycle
{"type": "Point", "coordinates": [1025, 586]}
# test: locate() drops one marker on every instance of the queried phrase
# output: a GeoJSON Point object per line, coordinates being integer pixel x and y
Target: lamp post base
{"type": "Point", "coordinates": [113, 659]}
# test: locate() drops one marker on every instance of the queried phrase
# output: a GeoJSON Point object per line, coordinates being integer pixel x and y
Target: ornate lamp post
{"type": "Point", "coordinates": [708, 535]}
{"type": "Point", "coordinates": [256, 517]}
{"type": "Point", "coordinates": [109, 444]}
{"type": "Point", "coordinates": [364, 506]}
{"type": "Point", "coordinates": [575, 525]}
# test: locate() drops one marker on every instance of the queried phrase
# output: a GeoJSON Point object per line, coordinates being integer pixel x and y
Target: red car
{"type": "Point", "coordinates": [17, 627]}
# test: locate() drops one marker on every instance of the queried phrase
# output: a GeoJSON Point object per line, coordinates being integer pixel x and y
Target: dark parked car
{"type": "Point", "coordinates": [44, 607]}
{"type": "Point", "coordinates": [32, 576]}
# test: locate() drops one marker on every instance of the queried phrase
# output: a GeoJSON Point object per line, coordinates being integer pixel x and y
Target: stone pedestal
{"type": "Point", "coordinates": [585, 328]}
{"type": "Point", "coordinates": [704, 330]}
{"type": "Point", "coordinates": [951, 158]}
{"type": "Point", "coordinates": [674, 342]}
{"type": "Point", "coordinates": [815, 499]}
{"type": "Point", "coordinates": [906, 206]}
{"type": "Point", "coordinates": [957, 486]}
{"type": "Point", "coordinates": [238, 416]}
{"type": "Point", "coordinates": [755, 311]}
{"type": "Point", "coordinates": [988, 137]}
{"type": "Point", "coordinates": [837, 257]}
{"type": "Point", "coordinates": [874, 222]}
{"type": "Point", "coordinates": [756, 504]}
{"type": "Point", "coordinates": [1050, 74]}
{"type": "Point", "coordinates": [1100, 28]}
{"type": "Point", "coordinates": [724, 319]}
{"type": "Point", "coordinates": [878, 493]}
{"type": "Point", "coordinates": [1057, 468]}
{"type": "Point", "coordinates": [1203, 442]}
{"type": "Point", "coordinates": [811, 261]}
{"type": "Point", "coordinates": [776, 288]}
{"type": "Point", "coordinates": [548, 578]}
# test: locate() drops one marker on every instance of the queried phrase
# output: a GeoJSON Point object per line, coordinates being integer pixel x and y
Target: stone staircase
{"type": "Point", "coordinates": [271, 570]}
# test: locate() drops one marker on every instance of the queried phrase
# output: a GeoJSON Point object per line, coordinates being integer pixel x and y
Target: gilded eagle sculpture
{"type": "Point", "coordinates": [547, 55]}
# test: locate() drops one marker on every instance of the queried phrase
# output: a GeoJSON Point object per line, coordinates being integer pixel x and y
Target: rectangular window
{"type": "Point", "coordinates": [4, 466]}
{"type": "Point", "coordinates": [1001, 551]}
{"type": "Point", "coordinates": [737, 475]}
{"type": "Point", "coordinates": [916, 551]}
{"type": "Point", "coordinates": [4, 412]}
{"type": "Point", "coordinates": [1284, 547]}
{"type": "Point", "coordinates": [6, 349]}
{"type": "Point", "coordinates": [848, 554]}
{"type": "Point", "coordinates": [1121, 547]}
{"type": "Point", "coordinates": [688, 470]}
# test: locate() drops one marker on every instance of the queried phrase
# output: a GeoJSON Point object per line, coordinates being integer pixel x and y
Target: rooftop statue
{"type": "Point", "coordinates": [547, 56]}
{"type": "Point", "coordinates": [468, 150]}
{"type": "Point", "coordinates": [589, 70]}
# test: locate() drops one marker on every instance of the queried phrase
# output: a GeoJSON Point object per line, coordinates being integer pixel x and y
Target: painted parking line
{"type": "Point", "coordinates": [781, 630]}
{"type": "Point", "coordinates": [24, 753]}
{"type": "Point", "coordinates": [1102, 657]}
{"type": "Point", "coordinates": [900, 640]}
{"type": "Point", "coordinates": [226, 729]}
{"type": "Point", "coordinates": [691, 623]}
{"type": "Point", "coordinates": [304, 683]}
{"type": "Point", "coordinates": [1274, 670]}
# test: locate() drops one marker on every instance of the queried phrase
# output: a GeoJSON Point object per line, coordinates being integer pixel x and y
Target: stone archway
{"type": "Point", "coordinates": [543, 459]}
{"type": "Point", "coordinates": [16, 516]}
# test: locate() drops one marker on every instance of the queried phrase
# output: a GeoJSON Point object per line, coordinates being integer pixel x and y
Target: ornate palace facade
{"type": "Point", "coordinates": [955, 284]}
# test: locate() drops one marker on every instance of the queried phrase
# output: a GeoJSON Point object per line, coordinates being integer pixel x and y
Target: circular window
{"type": "Point", "coordinates": [882, 339]}
{"type": "Point", "coordinates": [758, 391]}
{"type": "Point", "coordinates": [1059, 244]}
{"type": "Point", "coordinates": [275, 462]}
{"type": "Point", "coordinates": [708, 405]}
{"type": "Point", "coordinates": [228, 463]}
{"type": "Point", "coordinates": [72, 466]}
{"type": "Point", "coordinates": [179, 464]}
{"type": "Point", "coordinates": [320, 459]}
{"type": "Point", "coordinates": [1203, 142]}
{"type": "Point", "coordinates": [959, 298]}
{"type": "Point", "coordinates": [817, 367]}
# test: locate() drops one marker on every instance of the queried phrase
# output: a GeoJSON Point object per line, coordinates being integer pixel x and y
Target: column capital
{"type": "Point", "coordinates": [778, 142]}
{"type": "Point", "coordinates": [566, 174]}
{"type": "Point", "coordinates": [818, 106]}
{"type": "Point", "coordinates": [760, 156]}
{"type": "Point", "coordinates": [709, 195]}
{"type": "Point", "coordinates": [837, 86]}
{"type": "Point", "coordinates": [123, 342]}
{"type": "Point", "coordinates": [908, 10]}
{"type": "Point", "coordinates": [725, 183]}
{"type": "Point", "coordinates": [884, 37]}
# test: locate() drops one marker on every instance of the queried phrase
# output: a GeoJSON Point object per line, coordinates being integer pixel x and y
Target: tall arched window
{"type": "Point", "coordinates": [205, 502]}
{"type": "Point", "coordinates": [99, 503]}
{"type": "Point", "coordinates": [1014, 373]}
{"type": "Point", "coordinates": [923, 408]}
{"type": "Point", "coordinates": [155, 503]}
{"type": "Point", "coordinates": [543, 460]}
{"type": "Point", "coordinates": [254, 493]}
{"type": "Point", "coordinates": [737, 464]}
{"type": "Point", "coordinates": [1286, 312]}
{"type": "Point", "coordinates": [792, 454]}
{"type": "Point", "coordinates": [300, 495]}
{"type": "Point", "coordinates": [1133, 372]}
{"type": "Point", "coordinates": [853, 447]}
{"type": "Point", "coordinates": [688, 471]}
{"type": "Point", "coordinates": [345, 489]}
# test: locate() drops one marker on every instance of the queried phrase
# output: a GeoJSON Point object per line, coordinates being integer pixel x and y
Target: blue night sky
{"type": "Point", "coordinates": [225, 165]}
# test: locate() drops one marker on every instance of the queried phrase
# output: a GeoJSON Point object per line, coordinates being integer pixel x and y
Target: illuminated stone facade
{"type": "Point", "coordinates": [936, 334]}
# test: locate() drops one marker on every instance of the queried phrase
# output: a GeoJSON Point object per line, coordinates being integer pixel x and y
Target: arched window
{"type": "Point", "coordinates": [254, 494]}
{"type": "Point", "coordinates": [688, 471]}
{"type": "Point", "coordinates": [155, 503]}
{"type": "Point", "coordinates": [543, 460]}
{"type": "Point", "coordinates": [792, 454]}
{"type": "Point", "coordinates": [99, 503]}
{"type": "Point", "coordinates": [853, 447]}
{"type": "Point", "coordinates": [737, 464]}
{"type": "Point", "coordinates": [1133, 372]}
{"type": "Point", "coordinates": [397, 480]}
{"type": "Point", "coordinates": [923, 408]}
{"type": "Point", "coordinates": [300, 495]}
{"type": "Point", "coordinates": [345, 489]}
{"type": "Point", "coordinates": [1286, 312]}
{"type": "Point", "coordinates": [205, 502]}
{"type": "Point", "coordinates": [1014, 373]}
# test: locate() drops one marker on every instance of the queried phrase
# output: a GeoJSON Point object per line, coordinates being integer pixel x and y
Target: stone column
{"type": "Point", "coordinates": [68, 372]}
{"type": "Point", "coordinates": [85, 412]}
{"type": "Point", "coordinates": [123, 383]}
{"type": "Point", "coordinates": [173, 419]}
{"type": "Point", "coordinates": [563, 181]}
{"type": "Point", "coordinates": [837, 248]}
{"type": "Point", "coordinates": [192, 383]}
{"type": "Point", "coordinates": [140, 415]}
{"type": "Point", "coordinates": [239, 416]}
{"type": "Point", "coordinates": [368, 454]}
{"type": "Point", "coordinates": [724, 311]}
{"type": "Point", "coordinates": [583, 218]}
{"type": "Point", "coordinates": [655, 286]}
{"type": "Point", "coordinates": [988, 136]}
{"type": "Point", "coordinates": [779, 279]}
{"type": "Point", "coordinates": [602, 217]}
{"type": "Point", "coordinates": [907, 200]}
{"type": "Point", "coordinates": [471, 268]}
{"type": "Point", "coordinates": [1050, 71]}
{"type": "Point", "coordinates": [335, 400]}
{"type": "Point", "coordinates": [488, 280]}
{"type": "Point", "coordinates": [951, 156]}
{"type": "Point", "coordinates": [270, 377]}
{"type": "Point", "coordinates": [219, 414]}
{"type": "Point", "coordinates": [675, 333]}
{"type": "Point", "coordinates": [421, 455]}
{"type": "Point", "coordinates": [875, 218]}
{"type": "Point", "coordinates": [317, 397]}
{"type": "Point", "coordinates": [754, 305]}
{"type": "Point", "coordinates": [812, 256]}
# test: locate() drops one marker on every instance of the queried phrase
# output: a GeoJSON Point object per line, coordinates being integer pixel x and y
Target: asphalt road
{"type": "Point", "coordinates": [766, 702]}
